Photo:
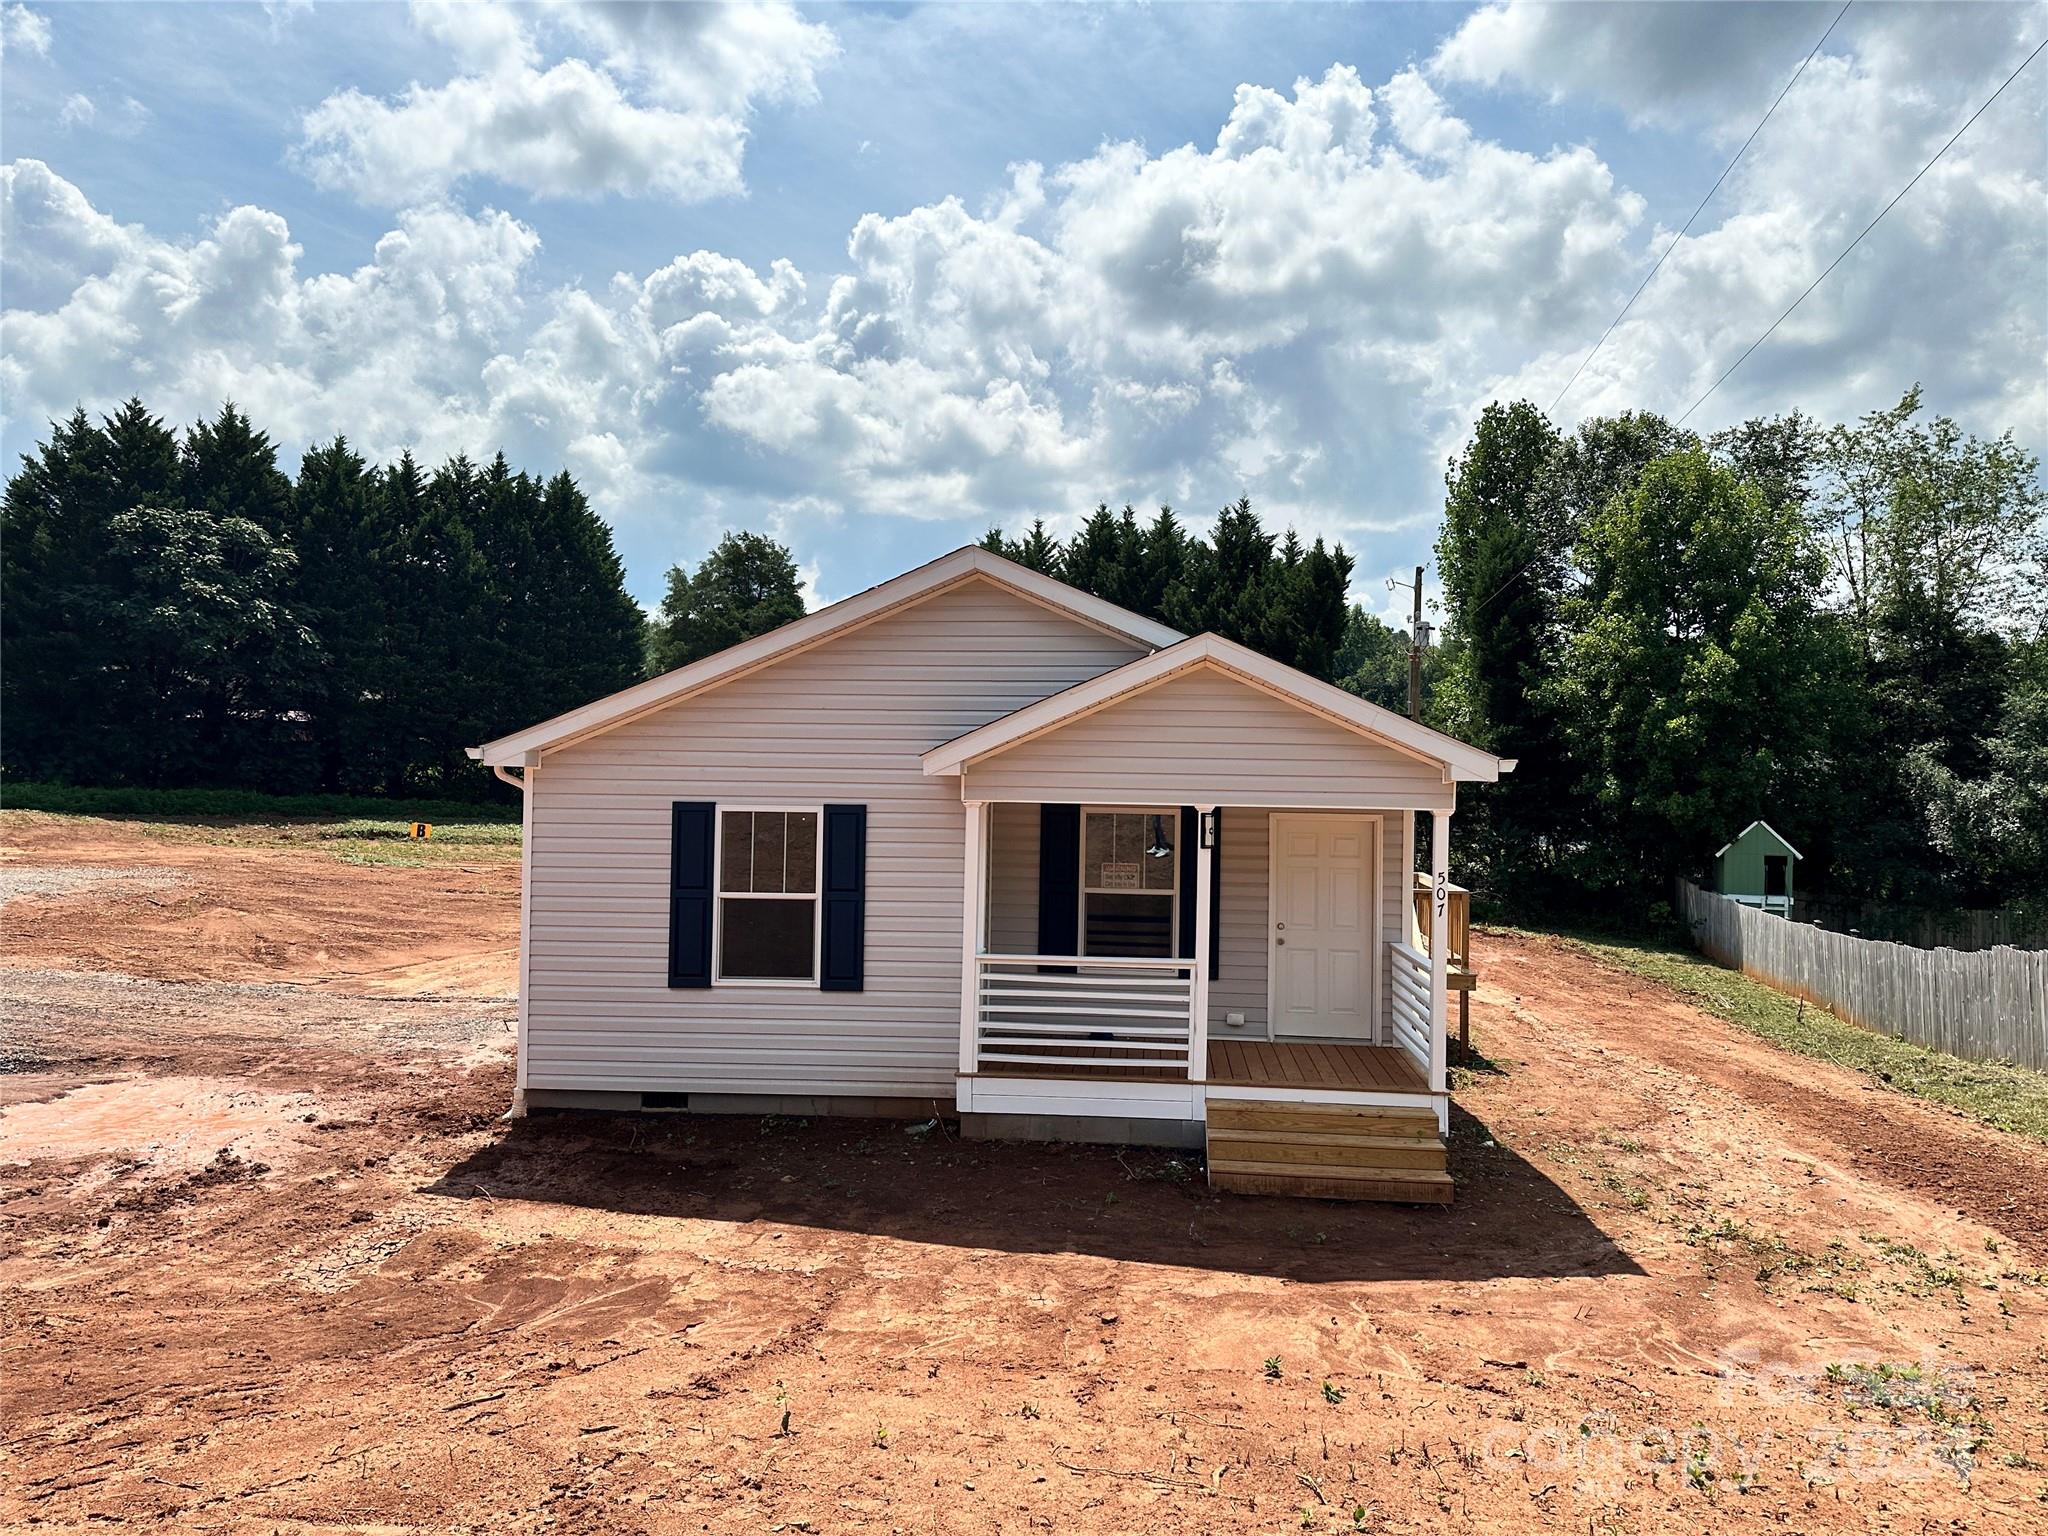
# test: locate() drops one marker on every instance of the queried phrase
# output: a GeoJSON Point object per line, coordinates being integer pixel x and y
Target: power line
{"type": "Point", "coordinates": [1888, 207]}
{"type": "Point", "coordinates": [2029, 59]}
{"type": "Point", "coordinates": [1659, 266]}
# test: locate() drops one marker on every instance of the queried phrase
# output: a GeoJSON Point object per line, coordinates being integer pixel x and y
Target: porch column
{"type": "Point", "coordinates": [1439, 957]}
{"type": "Point", "coordinates": [973, 925]}
{"type": "Point", "coordinates": [1205, 882]}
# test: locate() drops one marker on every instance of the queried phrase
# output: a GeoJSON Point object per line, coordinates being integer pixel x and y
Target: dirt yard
{"type": "Point", "coordinates": [269, 1262]}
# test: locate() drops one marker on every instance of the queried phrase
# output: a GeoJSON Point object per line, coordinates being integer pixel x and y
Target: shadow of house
{"type": "Point", "coordinates": [919, 1184]}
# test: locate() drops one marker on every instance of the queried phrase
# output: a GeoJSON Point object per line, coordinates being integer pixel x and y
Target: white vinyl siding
{"type": "Point", "coordinates": [842, 723]}
{"type": "Point", "coordinates": [1204, 738]}
{"type": "Point", "coordinates": [1241, 868]}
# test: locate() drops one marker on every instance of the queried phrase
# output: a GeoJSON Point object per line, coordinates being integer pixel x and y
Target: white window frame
{"type": "Point", "coordinates": [720, 896]}
{"type": "Point", "coordinates": [1172, 814]}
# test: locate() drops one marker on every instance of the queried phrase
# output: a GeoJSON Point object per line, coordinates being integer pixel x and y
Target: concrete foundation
{"type": "Point", "coordinates": [809, 1106]}
{"type": "Point", "coordinates": [1104, 1130]}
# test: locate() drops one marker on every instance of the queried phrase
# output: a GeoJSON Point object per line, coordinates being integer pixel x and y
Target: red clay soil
{"type": "Point", "coordinates": [259, 914]}
{"type": "Point", "coordinates": [277, 1266]}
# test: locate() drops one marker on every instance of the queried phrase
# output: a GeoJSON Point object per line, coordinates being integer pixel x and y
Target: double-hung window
{"type": "Point", "coordinates": [1130, 882]}
{"type": "Point", "coordinates": [767, 895]}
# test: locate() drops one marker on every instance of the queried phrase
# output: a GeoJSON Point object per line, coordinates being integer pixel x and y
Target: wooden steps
{"type": "Point", "coordinates": [1326, 1151]}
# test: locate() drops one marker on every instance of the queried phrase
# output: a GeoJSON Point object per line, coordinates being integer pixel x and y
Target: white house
{"type": "Point", "coordinates": [978, 840]}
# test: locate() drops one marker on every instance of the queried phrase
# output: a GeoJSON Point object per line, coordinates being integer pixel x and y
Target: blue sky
{"type": "Point", "coordinates": [871, 278]}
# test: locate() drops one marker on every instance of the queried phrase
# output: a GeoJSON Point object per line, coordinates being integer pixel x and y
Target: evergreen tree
{"type": "Point", "coordinates": [1162, 567]}
{"type": "Point", "coordinates": [1104, 558]}
{"type": "Point", "coordinates": [1321, 603]}
{"type": "Point", "coordinates": [1038, 550]}
{"type": "Point", "coordinates": [436, 701]}
{"type": "Point", "coordinates": [345, 572]}
{"type": "Point", "coordinates": [230, 469]}
{"type": "Point", "coordinates": [588, 638]}
{"type": "Point", "coordinates": [1224, 584]}
{"type": "Point", "coordinates": [56, 577]}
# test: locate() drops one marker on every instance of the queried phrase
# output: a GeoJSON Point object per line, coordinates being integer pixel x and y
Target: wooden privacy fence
{"type": "Point", "coordinates": [1991, 1005]}
{"type": "Point", "coordinates": [1925, 928]}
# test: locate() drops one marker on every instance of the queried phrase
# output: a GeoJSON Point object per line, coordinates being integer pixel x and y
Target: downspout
{"type": "Point", "coordinates": [523, 784]}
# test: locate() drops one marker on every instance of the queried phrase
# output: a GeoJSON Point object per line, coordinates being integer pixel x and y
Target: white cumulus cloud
{"type": "Point", "coordinates": [663, 111]}
{"type": "Point", "coordinates": [1310, 307]}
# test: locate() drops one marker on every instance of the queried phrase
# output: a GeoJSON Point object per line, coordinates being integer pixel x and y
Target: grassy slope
{"type": "Point", "coordinates": [2011, 1098]}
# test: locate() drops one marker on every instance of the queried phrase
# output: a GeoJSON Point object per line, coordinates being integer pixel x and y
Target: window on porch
{"type": "Point", "coordinates": [1130, 882]}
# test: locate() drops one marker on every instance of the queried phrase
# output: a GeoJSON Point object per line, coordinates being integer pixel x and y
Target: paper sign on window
{"type": "Point", "coordinates": [1122, 877]}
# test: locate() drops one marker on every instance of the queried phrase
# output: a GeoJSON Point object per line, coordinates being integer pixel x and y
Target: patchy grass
{"type": "Point", "coordinates": [352, 840]}
{"type": "Point", "coordinates": [2008, 1097]}
{"type": "Point", "coordinates": [137, 804]}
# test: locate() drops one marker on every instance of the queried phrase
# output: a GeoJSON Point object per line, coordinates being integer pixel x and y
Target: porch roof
{"type": "Point", "coordinates": [1451, 761]}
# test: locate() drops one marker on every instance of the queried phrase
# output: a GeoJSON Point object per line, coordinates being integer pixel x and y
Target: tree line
{"type": "Point", "coordinates": [1265, 590]}
{"type": "Point", "coordinates": [1839, 630]}
{"type": "Point", "coordinates": [175, 610]}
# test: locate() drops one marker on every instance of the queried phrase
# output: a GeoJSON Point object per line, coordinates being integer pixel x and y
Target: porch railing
{"type": "Point", "coordinates": [1411, 1003]}
{"type": "Point", "coordinates": [1122, 1016]}
{"type": "Point", "coordinates": [1457, 919]}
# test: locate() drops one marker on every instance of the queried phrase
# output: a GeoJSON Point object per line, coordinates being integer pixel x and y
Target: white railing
{"type": "Point", "coordinates": [1051, 1011]}
{"type": "Point", "coordinates": [1411, 1003]}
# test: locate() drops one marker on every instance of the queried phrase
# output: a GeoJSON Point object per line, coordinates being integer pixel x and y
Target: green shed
{"type": "Point", "coordinates": [1756, 868]}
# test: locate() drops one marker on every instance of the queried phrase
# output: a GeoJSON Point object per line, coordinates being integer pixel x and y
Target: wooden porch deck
{"type": "Point", "coordinates": [1314, 1064]}
{"type": "Point", "coordinates": [1333, 1064]}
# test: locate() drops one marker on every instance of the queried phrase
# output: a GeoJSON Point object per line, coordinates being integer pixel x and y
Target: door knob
{"type": "Point", "coordinates": [1279, 925]}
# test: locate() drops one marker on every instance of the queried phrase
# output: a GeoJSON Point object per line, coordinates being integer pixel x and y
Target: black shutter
{"type": "Point", "coordinates": [1216, 897]}
{"type": "Point", "coordinates": [843, 908]}
{"type": "Point", "coordinates": [690, 894]}
{"type": "Point", "coordinates": [1059, 880]}
{"type": "Point", "coordinates": [1190, 837]}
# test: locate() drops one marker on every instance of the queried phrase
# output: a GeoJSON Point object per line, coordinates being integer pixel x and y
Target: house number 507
{"type": "Point", "coordinates": [1443, 893]}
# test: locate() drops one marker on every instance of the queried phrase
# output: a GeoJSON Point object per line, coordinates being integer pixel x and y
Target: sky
{"type": "Point", "coordinates": [871, 279]}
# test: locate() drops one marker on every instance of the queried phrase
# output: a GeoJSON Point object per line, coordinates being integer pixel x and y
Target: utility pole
{"type": "Point", "coordinates": [1416, 639]}
{"type": "Point", "coordinates": [1415, 653]}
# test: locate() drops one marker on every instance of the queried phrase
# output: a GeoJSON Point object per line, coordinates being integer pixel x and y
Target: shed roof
{"type": "Point", "coordinates": [1775, 833]}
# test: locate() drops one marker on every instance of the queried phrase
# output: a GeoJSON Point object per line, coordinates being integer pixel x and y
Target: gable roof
{"type": "Point", "coordinates": [1459, 760]}
{"type": "Point", "coordinates": [1760, 822]}
{"type": "Point", "coordinates": [962, 565]}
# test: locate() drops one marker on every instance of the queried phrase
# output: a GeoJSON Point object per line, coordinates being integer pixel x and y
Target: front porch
{"type": "Point", "coordinates": [1189, 897]}
{"type": "Point", "coordinates": [1094, 1045]}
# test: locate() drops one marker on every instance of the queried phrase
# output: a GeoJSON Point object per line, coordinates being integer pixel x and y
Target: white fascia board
{"type": "Point", "coordinates": [1459, 760]}
{"type": "Point", "coordinates": [814, 629]}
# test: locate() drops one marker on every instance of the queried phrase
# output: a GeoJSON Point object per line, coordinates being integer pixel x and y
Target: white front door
{"type": "Point", "coordinates": [1324, 944]}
